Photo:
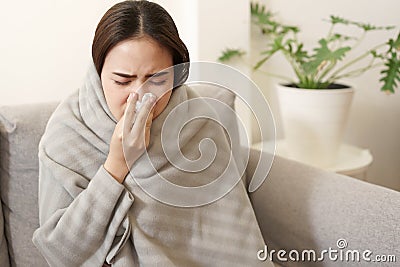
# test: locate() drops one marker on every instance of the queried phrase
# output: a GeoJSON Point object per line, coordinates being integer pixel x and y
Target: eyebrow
{"type": "Point", "coordinates": [125, 75]}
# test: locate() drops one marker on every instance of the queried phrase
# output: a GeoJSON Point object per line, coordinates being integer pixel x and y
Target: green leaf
{"type": "Point", "coordinates": [228, 54]}
{"type": "Point", "coordinates": [300, 55]}
{"type": "Point", "coordinates": [369, 27]}
{"type": "Point", "coordinates": [324, 54]}
{"type": "Point", "coordinates": [339, 37]}
{"type": "Point", "coordinates": [394, 45]}
{"type": "Point", "coordinates": [375, 54]}
{"type": "Point", "coordinates": [265, 19]}
{"type": "Point", "coordinates": [256, 9]}
{"type": "Point", "coordinates": [273, 47]}
{"type": "Point", "coordinates": [338, 20]}
{"type": "Point", "coordinates": [286, 29]}
{"type": "Point", "coordinates": [365, 26]}
{"type": "Point", "coordinates": [391, 75]}
{"type": "Point", "coordinates": [259, 14]}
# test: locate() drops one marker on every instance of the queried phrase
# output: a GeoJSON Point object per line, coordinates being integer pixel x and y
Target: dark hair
{"type": "Point", "coordinates": [131, 19]}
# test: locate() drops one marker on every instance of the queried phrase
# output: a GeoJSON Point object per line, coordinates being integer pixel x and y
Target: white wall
{"type": "Point", "coordinates": [45, 47]}
{"type": "Point", "coordinates": [374, 121]}
{"type": "Point", "coordinates": [47, 44]}
{"type": "Point", "coordinates": [208, 26]}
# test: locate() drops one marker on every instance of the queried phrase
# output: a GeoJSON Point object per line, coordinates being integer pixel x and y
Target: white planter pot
{"type": "Point", "coordinates": [314, 122]}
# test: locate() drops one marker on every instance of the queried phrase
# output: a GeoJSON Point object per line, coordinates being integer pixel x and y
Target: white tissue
{"type": "Point", "coordinates": [144, 99]}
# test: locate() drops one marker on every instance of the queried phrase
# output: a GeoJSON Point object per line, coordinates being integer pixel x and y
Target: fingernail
{"type": "Point", "coordinates": [152, 99]}
{"type": "Point", "coordinates": [131, 96]}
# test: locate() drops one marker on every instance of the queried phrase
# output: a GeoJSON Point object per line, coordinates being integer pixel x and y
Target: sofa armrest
{"type": "Point", "coordinates": [21, 127]}
{"type": "Point", "coordinates": [301, 207]}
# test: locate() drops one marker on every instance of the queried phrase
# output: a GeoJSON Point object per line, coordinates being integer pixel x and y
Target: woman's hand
{"type": "Point", "coordinates": [131, 135]}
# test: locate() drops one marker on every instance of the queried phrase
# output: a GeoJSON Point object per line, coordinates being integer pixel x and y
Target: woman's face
{"type": "Point", "coordinates": [128, 66]}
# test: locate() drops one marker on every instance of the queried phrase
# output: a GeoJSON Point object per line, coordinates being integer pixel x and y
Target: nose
{"type": "Point", "coordinates": [139, 89]}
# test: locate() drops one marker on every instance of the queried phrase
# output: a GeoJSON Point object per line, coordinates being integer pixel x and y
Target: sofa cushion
{"type": "Point", "coordinates": [21, 128]}
{"type": "Point", "coordinates": [4, 260]}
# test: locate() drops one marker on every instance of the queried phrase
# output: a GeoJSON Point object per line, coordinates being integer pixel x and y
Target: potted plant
{"type": "Point", "coordinates": [314, 107]}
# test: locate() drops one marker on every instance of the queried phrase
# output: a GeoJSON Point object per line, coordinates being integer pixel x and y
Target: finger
{"type": "Point", "coordinates": [143, 116]}
{"type": "Point", "coordinates": [130, 112]}
{"type": "Point", "coordinates": [148, 127]}
{"type": "Point", "coordinates": [119, 127]}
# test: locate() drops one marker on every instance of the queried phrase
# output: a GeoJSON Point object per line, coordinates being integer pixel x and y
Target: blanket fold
{"type": "Point", "coordinates": [88, 218]}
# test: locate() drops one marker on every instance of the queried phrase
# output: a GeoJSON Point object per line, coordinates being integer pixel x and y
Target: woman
{"type": "Point", "coordinates": [91, 210]}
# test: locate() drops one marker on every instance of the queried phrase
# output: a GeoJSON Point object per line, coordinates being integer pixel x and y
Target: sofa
{"type": "Point", "coordinates": [298, 207]}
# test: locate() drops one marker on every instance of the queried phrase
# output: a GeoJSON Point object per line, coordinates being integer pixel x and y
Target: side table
{"type": "Point", "coordinates": [352, 161]}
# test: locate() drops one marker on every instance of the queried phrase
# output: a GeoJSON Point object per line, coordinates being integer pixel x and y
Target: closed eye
{"type": "Point", "coordinates": [122, 83]}
{"type": "Point", "coordinates": [158, 83]}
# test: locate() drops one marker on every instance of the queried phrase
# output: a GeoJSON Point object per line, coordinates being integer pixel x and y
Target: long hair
{"type": "Point", "coordinates": [134, 19]}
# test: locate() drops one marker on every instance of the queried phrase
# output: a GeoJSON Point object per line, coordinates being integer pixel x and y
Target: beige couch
{"type": "Point", "coordinates": [298, 207]}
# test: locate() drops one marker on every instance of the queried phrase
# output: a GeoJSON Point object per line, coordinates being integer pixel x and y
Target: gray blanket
{"type": "Point", "coordinates": [88, 218]}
